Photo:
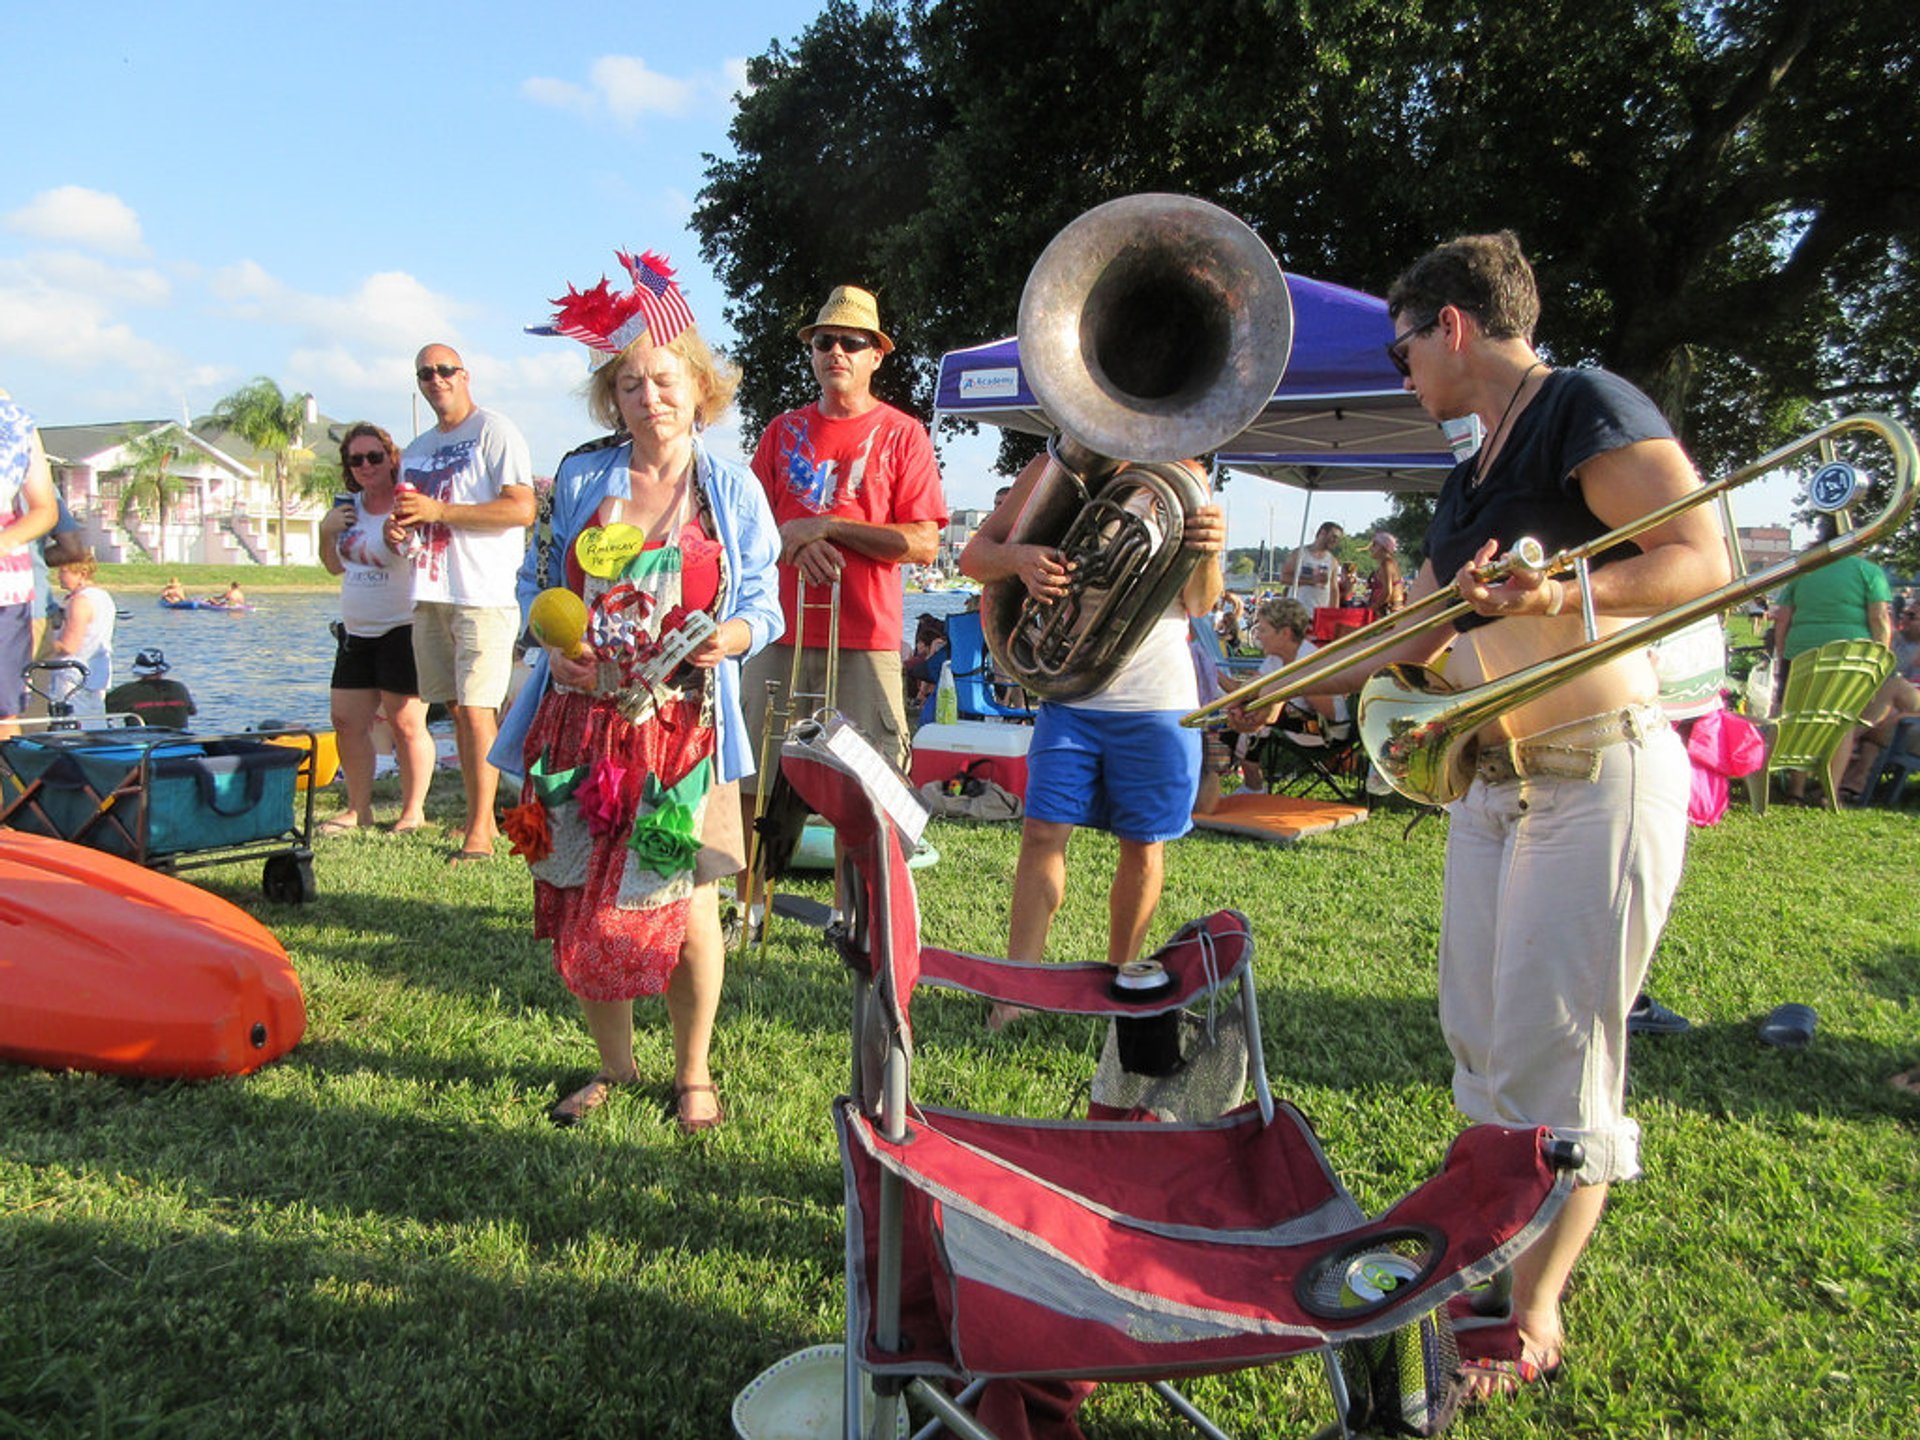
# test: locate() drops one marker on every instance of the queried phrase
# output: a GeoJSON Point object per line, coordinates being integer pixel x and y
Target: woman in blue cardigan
{"type": "Point", "coordinates": [629, 809]}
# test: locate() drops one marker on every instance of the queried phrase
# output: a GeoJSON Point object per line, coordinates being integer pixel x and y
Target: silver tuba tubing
{"type": "Point", "coordinates": [1153, 328]}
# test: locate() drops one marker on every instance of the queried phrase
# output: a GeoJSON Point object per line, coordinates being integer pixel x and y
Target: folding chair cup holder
{"type": "Point", "coordinates": [986, 1251]}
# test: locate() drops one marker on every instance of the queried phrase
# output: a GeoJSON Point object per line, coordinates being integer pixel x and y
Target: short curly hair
{"type": "Point", "coordinates": [1283, 612]}
{"type": "Point", "coordinates": [1487, 276]}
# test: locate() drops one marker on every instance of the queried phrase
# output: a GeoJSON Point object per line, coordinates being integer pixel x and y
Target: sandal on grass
{"type": "Point", "coordinates": [1496, 1361]}
{"type": "Point", "coordinates": [689, 1125]}
{"type": "Point", "coordinates": [584, 1101]}
{"type": "Point", "coordinates": [338, 825]}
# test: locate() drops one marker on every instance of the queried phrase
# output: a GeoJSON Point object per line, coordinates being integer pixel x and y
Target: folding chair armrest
{"type": "Point", "coordinates": [1206, 954]}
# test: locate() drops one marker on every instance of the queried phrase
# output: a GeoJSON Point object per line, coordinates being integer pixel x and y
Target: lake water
{"type": "Point", "coordinates": [273, 662]}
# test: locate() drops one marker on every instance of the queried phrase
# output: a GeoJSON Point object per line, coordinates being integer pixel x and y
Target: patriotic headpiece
{"type": "Point", "coordinates": [602, 320]}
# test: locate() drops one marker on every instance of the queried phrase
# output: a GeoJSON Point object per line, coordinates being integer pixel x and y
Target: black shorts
{"type": "Point", "coordinates": [377, 662]}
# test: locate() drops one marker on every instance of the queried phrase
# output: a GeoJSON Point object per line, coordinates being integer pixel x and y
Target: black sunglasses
{"type": "Point", "coordinates": [445, 372]}
{"type": "Point", "coordinates": [1397, 350]}
{"type": "Point", "coordinates": [366, 459]}
{"type": "Point", "coordinates": [852, 344]}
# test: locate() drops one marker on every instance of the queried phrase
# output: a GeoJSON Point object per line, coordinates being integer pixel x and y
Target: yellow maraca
{"type": "Point", "coordinates": [558, 619]}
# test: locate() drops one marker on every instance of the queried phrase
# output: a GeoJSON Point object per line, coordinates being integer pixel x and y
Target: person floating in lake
{"type": "Point", "coordinates": [173, 592]}
{"type": "Point", "coordinates": [233, 599]}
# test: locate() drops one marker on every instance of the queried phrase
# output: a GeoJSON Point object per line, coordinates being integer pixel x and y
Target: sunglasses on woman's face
{"type": "Point", "coordinates": [366, 458]}
{"type": "Point", "coordinates": [852, 344]}
{"type": "Point", "coordinates": [1397, 351]}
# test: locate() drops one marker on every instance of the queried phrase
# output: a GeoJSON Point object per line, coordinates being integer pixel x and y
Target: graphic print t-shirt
{"type": "Point", "coordinates": [468, 465]}
{"type": "Point", "coordinates": [878, 468]}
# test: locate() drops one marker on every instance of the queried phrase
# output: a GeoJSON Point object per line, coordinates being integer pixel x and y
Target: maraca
{"type": "Point", "coordinates": [558, 619]}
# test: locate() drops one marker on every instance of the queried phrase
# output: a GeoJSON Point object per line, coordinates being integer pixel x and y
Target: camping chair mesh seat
{"type": "Point", "coordinates": [1827, 689]}
{"type": "Point", "coordinates": [985, 1248]}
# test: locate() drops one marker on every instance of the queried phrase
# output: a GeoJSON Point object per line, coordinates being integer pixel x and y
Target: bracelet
{"type": "Point", "coordinates": [1559, 598]}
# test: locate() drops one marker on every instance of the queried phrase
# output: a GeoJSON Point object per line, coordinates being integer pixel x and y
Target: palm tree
{"type": "Point", "coordinates": [150, 477]}
{"type": "Point", "coordinates": [271, 422]}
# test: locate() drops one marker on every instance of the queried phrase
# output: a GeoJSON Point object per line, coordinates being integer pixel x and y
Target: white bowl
{"type": "Point", "coordinates": [800, 1397]}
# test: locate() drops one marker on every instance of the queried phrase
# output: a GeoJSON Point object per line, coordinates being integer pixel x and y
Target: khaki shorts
{"type": "Point", "coordinates": [464, 653]}
{"type": "Point", "coordinates": [866, 691]}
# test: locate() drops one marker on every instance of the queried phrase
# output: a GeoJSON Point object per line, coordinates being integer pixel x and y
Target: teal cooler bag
{"type": "Point", "coordinates": [199, 794]}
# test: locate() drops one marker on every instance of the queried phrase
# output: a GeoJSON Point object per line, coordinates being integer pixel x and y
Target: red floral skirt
{"type": "Point", "coordinates": [603, 951]}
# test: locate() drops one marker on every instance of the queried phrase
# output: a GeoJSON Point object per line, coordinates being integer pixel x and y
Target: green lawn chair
{"type": "Point", "coordinates": [1827, 688]}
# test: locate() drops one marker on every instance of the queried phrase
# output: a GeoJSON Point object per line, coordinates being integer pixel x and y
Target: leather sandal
{"type": "Point", "coordinates": [693, 1127]}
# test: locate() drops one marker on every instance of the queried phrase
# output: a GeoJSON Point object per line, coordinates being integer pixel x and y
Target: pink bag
{"type": "Point", "coordinates": [1722, 746]}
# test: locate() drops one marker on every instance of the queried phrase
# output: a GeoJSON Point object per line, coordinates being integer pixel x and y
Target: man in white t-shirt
{"type": "Point", "coordinates": [460, 510]}
{"type": "Point", "coordinates": [1117, 760]}
{"type": "Point", "coordinates": [1311, 574]}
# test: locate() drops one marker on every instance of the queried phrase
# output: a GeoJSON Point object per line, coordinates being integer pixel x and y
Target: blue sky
{"type": "Point", "coordinates": [198, 193]}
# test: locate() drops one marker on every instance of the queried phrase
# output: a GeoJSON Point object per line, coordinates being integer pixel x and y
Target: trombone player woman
{"type": "Point", "coordinates": [1564, 852]}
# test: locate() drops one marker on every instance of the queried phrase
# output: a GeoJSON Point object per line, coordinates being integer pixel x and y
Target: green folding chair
{"type": "Point", "coordinates": [1827, 688]}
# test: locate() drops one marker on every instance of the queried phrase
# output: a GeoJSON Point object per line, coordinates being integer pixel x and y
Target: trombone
{"type": "Point", "coordinates": [1419, 730]}
{"type": "Point", "coordinates": [787, 717]}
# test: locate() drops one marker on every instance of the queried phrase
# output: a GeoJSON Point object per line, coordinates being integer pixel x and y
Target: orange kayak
{"type": "Point", "coordinates": [107, 966]}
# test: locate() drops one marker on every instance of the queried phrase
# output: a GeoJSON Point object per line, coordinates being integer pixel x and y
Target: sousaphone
{"type": "Point", "coordinates": [1153, 329]}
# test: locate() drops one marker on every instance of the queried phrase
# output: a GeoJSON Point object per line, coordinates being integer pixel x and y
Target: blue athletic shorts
{"type": "Point", "coordinates": [1132, 773]}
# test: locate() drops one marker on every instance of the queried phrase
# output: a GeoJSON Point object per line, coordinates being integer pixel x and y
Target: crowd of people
{"type": "Point", "coordinates": [633, 744]}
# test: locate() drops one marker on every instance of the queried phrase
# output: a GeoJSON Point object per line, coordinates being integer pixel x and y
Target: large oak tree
{"type": "Point", "coordinates": [1722, 199]}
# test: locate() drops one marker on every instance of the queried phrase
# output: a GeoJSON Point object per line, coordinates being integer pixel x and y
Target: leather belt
{"type": "Point", "coordinates": [1566, 752]}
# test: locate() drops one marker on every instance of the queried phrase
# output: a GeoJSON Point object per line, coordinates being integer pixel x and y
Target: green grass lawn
{"type": "Point", "coordinates": [382, 1235]}
{"type": "Point", "coordinates": [211, 579]}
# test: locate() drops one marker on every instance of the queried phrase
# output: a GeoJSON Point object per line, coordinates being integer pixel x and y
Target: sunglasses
{"type": "Point", "coordinates": [1397, 351]}
{"type": "Point", "coordinates": [445, 372]}
{"type": "Point", "coordinates": [852, 344]}
{"type": "Point", "coordinates": [366, 459]}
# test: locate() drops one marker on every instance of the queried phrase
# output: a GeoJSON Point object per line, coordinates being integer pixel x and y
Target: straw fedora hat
{"type": "Point", "coordinates": [850, 308]}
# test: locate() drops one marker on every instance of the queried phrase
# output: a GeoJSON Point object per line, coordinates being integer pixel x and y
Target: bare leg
{"type": "Point", "coordinates": [1039, 885]}
{"type": "Point", "coordinates": [1540, 1277]}
{"type": "Point", "coordinates": [353, 712]}
{"type": "Point", "coordinates": [1131, 901]}
{"type": "Point", "coordinates": [413, 752]}
{"type": "Point", "coordinates": [693, 1000]}
{"type": "Point", "coordinates": [474, 728]}
{"type": "Point", "coordinates": [610, 1023]}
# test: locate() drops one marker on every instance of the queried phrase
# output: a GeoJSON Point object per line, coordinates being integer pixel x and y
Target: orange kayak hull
{"type": "Point", "coordinates": [107, 966]}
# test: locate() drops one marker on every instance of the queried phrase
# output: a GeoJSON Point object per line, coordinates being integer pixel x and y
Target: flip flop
{"type": "Point", "coordinates": [574, 1108]}
{"type": "Point", "coordinates": [709, 1122]}
{"type": "Point", "coordinates": [1789, 1027]}
{"type": "Point", "coordinates": [1907, 1081]}
{"type": "Point", "coordinates": [338, 825]}
{"type": "Point", "coordinates": [469, 857]}
{"type": "Point", "coordinates": [1497, 1355]}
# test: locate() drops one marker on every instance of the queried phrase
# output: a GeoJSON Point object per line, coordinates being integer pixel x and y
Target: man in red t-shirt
{"type": "Point", "coordinates": [856, 491]}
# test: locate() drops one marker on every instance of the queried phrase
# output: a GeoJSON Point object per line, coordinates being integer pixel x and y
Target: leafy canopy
{"type": "Point", "coordinates": [1722, 199]}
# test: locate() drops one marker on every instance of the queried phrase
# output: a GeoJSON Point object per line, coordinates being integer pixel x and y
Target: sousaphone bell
{"type": "Point", "coordinates": [1153, 329]}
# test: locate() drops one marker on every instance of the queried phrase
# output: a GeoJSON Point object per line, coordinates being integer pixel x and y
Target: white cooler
{"type": "Point", "coordinates": [943, 752]}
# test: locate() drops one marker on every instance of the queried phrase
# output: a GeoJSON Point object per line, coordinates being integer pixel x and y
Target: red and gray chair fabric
{"type": "Point", "coordinates": [994, 1264]}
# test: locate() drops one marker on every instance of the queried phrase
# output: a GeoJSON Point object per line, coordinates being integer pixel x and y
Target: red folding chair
{"type": "Point", "coordinates": [984, 1249]}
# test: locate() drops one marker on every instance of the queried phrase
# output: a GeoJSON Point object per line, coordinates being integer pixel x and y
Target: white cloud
{"type": "Point", "coordinates": [621, 87]}
{"type": "Point", "coordinates": [79, 216]}
{"type": "Point", "coordinates": [733, 77]}
{"type": "Point", "coordinates": [390, 310]}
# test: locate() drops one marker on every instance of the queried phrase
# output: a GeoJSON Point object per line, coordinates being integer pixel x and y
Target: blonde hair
{"type": "Point", "coordinates": [716, 377]}
{"type": "Point", "coordinates": [87, 564]}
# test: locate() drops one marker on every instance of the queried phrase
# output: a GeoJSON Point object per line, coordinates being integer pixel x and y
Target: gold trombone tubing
{"type": "Point", "coordinates": [786, 718]}
{"type": "Point", "coordinates": [1416, 730]}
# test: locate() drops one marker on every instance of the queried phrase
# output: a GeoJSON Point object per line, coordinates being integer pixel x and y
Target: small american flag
{"type": "Point", "coordinates": [660, 300]}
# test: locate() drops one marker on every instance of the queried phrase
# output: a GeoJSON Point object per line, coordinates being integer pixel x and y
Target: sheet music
{"type": "Point", "coordinates": [881, 780]}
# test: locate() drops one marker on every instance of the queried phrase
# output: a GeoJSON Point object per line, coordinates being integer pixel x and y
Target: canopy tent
{"type": "Point", "coordinates": [1338, 421]}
